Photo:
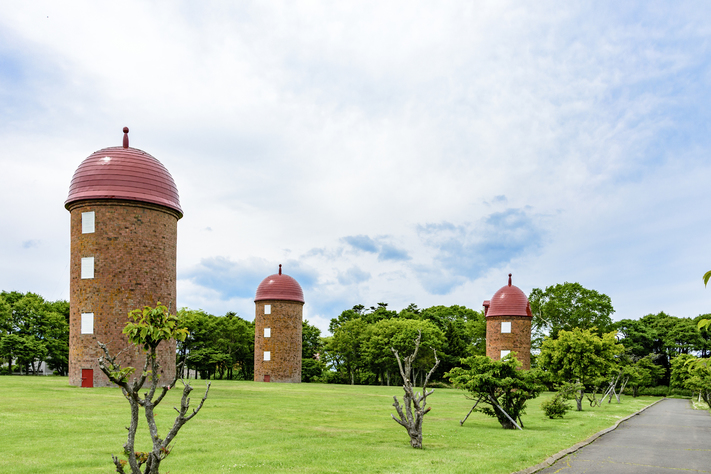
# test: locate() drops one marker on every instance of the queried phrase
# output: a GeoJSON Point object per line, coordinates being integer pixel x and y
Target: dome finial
{"type": "Point", "coordinates": [125, 137]}
{"type": "Point", "coordinates": [509, 279]}
{"type": "Point", "coordinates": [280, 269]}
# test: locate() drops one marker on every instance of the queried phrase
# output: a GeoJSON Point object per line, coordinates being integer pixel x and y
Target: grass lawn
{"type": "Point", "coordinates": [48, 426]}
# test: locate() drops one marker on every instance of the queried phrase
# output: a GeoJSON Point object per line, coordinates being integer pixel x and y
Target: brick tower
{"type": "Point", "coordinates": [508, 325]}
{"type": "Point", "coordinates": [124, 220]}
{"type": "Point", "coordinates": [277, 329]}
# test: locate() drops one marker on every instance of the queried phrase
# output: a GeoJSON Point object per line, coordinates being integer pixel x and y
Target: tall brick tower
{"type": "Point", "coordinates": [124, 221]}
{"type": "Point", "coordinates": [508, 325]}
{"type": "Point", "coordinates": [277, 329]}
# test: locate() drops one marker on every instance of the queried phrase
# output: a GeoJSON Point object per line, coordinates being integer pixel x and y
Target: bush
{"type": "Point", "coordinates": [555, 407]}
{"type": "Point", "coordinates": [311, 370]}
{"type": "Point", "coordinates": [659, 391]}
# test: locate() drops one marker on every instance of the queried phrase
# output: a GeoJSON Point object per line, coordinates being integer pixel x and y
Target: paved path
{"type": "Point", "coordinates": [669, 437]}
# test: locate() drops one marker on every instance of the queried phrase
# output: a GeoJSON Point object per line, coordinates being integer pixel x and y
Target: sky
{"type": "Point", "coordinates": [386, 151]}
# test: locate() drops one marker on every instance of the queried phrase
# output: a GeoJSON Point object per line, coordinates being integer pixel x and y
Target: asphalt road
{"type": "Point", "coordinates": [669, 437]}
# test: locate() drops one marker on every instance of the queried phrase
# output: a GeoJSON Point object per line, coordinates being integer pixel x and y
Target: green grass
{"type": "Point", "coordinates": [48, 426]}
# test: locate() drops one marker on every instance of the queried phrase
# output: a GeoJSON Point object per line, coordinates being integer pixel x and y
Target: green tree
{"type": "Point", "coordinates": [567, 306]}
{"type": "Point", "coordinates": [400, 334]}
{"type": "Point", "coordinates": [499, 384]}
{"type": "Point", "coordinates": [147, 329]}
{"type": "Point", "coordinates": [464, 332]}
{"type": "Point", "coordinates": [311, 343]}
{"type": "Point", "coordinates": [643, 373]}
{"type": "Point", "coordinates": [42, 325]}
{"type": "Point", "coordinates": [344, 348]}
{"type": "Point", "coordinates": [580, 355]}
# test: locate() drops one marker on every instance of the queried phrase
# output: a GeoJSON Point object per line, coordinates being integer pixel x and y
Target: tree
{"type": "Point", "coordinates": [464, 333]}
{"type": "Point", "coordinates": [311, 344]}
{"type": "Point", "coordinates": [344, 347]}
{"type": "Point", "coordinates": [643, 373]}
{"type": "Point", "coordinates": [147, 328]}
{"type": "Point", "coordinates": [567, 306]}
{"type": "Point", "coordinates": [413, 403]}
{"type": "Point", "coordinates": [581, 356]}
{"type": "Point", "coordinates": [705, 323]}
{"type": "Point", "coordinates": [42, 326]}
{"type": "Point", "coordinates": [400, 334]}
{"type": "Point", "coordinates": [499, 384]}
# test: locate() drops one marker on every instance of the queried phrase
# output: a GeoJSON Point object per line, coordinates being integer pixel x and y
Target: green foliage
{"type": "Point", "coordinates": [566, 306]}
{"type": "Point", "coordinates": [580, 355]}
{"type": "Point", "coordinates": [680, 370]}
{"type": "Point", "coordinates": [311, 340]}
{"type": "Point", "coordinates": [312, 370]}
{"type": "Point", "coordinates": [220, 347]}
{"type": "Point", "coordinates": [497, 383]}
{"type": "Point", "coordinates": [39, 330]}
{"type": "Point", "coordinates": [151, 326]}
{"type": "Point", "coordinates": [358, 350]}
{"type": "Point", "coordinates": [700, 378]}
{"type": "Point", "coordinates": [556, 407]}
{"type": "Point", "coordinates": [643, 373]}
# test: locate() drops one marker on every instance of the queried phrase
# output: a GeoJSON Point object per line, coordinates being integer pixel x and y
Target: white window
{"type": "Point", "coordinates": [504, 353]}
{"type": "Point", "coordinates": [267, 332]}
{"type": "Point", "coordinates": [505, 326]}
{"type": "Point", "coordinates": [87, 222]}
{"type": "Point", "coordinates": [267, 309]}
{"type": "Point", "coordinates": [87, 267]}
{"type": "Point", "coordinates": [87, 323]}
{"type": "Point", "coordinates": [267, 355]}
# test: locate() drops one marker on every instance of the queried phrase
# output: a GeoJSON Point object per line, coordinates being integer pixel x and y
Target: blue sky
{"type": "Point", "coordinates": [399, 152]}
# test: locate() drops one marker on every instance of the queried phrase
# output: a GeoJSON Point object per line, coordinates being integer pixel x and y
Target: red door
{"type": "Point", "coordinates": [266, 378]}
{"type": "Point", "coordinates": [87, 377]}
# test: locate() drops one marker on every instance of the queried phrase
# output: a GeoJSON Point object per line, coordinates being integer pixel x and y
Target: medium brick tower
{"type": "Point", "coordinates": [508, 325]}
{"type": "Point", "coordinates": [124, 221]}
{"type": "Point", "coordinates": [277, 329]}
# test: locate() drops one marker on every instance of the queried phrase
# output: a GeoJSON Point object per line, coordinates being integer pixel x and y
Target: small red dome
{"type": "Point", "coordinates": [126, 174]}
{"type": "Point", "coordinates": [279, 287]}
{"type": "Point", "coordinates": [509, 301]}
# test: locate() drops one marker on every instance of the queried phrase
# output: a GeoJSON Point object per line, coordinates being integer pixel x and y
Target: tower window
{"type": "Point", "coordinates": [87, 222]}
{"type": "Point", "coordinates": [267, 355]}
{"type": "Point", "coordinates": [87, 267]}
{"type": "Point", "coordinates": [504, 353]}
{"type": "Point", "coordinates": [267, 332]}
{"type": "Point", "coordinates": [87, 323]}
{"type": "Point", "coordinates": [267, 309]}
{"type": "Point", "coordinates": [505, 326]}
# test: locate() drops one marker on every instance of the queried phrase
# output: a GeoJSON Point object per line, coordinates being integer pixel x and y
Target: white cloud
{"type": "Point", "coordinates": [558, 141]}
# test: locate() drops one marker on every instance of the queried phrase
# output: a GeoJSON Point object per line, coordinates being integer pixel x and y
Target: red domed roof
{"type": "Point", "coordinates": [508, 301]}
{"type": "Point", "coordinates": [124, 173]}
{"type": "Point", "coordinates": [279, 287]}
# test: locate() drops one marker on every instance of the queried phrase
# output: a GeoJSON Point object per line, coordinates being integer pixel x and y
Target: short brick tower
{"type": "Point", "coordinates": [508, 325]}
{"type": "Point", "coordinates": [124, 221]}
{"type": "Point", "coordinates": [277, 329]}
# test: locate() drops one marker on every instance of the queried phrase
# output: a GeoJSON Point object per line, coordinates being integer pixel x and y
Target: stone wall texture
{"type": "Point", "coordinates": [134, 250]}
{"type": "Point", "coordinates": [284, 343]}
{"type": "Point", "coordinates": [518, 340]}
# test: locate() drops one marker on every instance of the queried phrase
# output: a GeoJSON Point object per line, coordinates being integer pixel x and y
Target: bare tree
{"type": "Point", "coordinates": [151, 326]}
{"type": "Point", "coordinates": [413, 403]}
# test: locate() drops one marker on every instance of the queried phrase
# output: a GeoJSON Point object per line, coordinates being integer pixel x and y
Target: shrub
{"type": "Point", "coordinates": [555, 407]}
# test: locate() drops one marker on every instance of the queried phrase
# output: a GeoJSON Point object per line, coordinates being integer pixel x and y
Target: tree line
{"type": "Point", "coordinates": [358, 351]}
{"type": "Point", "coordinates": [32, 331]}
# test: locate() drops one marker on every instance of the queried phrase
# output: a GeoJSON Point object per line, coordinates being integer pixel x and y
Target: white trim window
{"type": "Point", "coordinates": [267, 309]}
{"type": "Point", "coordinates": [505, 327]}
{"type": "Point", "coordinates": [87, 222]}
{"type": "Point", "coordinates": [267, 356]}
{"type": "Point", "coordinates": [87, 323]}
{"type": "Point", "coordinates": [87, 268]}
{"type": "Point", "coordinates": [505, 353]}
{"type": "Point", "coordinates": [267, 332]}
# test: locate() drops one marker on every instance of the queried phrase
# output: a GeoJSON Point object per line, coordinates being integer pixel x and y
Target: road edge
{"type": "Point", "coordinates": [575, 447]}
